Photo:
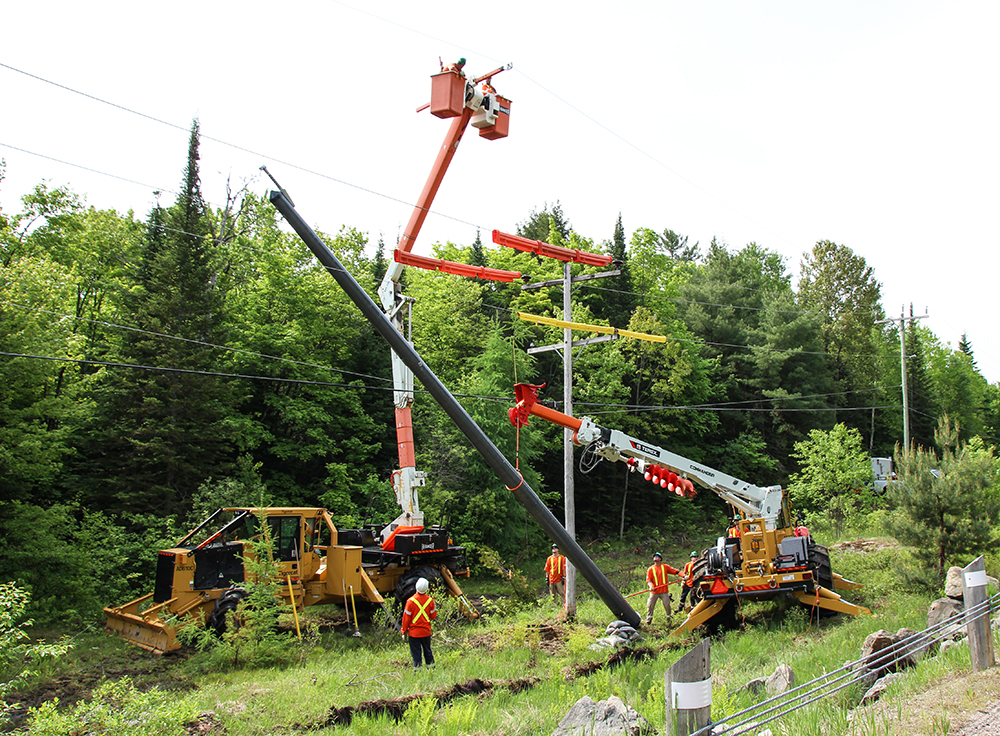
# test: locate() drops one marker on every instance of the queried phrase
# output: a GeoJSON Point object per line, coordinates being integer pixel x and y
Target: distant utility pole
{"type": "Point", "coordinates": [903, 319]}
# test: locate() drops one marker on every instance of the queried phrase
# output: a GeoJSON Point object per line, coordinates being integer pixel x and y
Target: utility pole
{"type": "Point", "coordinates": [903, 319]}
{"type": "Point", "coordinates": [569, 486]}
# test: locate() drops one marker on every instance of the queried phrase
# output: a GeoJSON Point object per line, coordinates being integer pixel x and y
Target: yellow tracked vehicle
{"type": "Point", "coordinates": [199, 580]}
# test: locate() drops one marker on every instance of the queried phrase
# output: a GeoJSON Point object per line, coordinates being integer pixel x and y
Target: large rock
{"type": "Point", "coordinates": [943, 609]}
{"type": "Point", "coordinates": [782, 680]}
{"type": "Point", "coordinates": [883, 652]}
{"type": "Point", "coordinates": [953, 583]}
{"type": "Point", "coordinates": [876, 690]}
{"type": "Point", "coordinates": [609, 717]}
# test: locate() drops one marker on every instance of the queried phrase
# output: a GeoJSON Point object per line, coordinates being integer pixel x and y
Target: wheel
{"type": "Point", "coordinates": [700, 567]}
{"type": "Point", "coordinates": [406, 586]}
{"type": "Point", "coordinates": [819, 563]}
{"type": "Point", "coordinates": [225, 610]}
{"type": "Point", "coordinates": [723, 621]}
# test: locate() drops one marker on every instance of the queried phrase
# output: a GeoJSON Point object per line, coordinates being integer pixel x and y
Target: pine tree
{"type": "Point", "coordinates": [948, 506]}
{"type": "Point", "coordinates": [163, 425]}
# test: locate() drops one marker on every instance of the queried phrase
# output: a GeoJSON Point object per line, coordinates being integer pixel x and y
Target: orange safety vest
{"type": "Point", "coordinates": [657, 575]}
{"type": "Point", "coordinates": [555, 566]}
{"type": "Point", "coordinates": [688, 574]}
{"type": "Point", "coordinates": [418, 613]}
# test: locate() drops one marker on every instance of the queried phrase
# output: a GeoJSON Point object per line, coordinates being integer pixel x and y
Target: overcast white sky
{"type": "Point", "coordinates": [872, 124]}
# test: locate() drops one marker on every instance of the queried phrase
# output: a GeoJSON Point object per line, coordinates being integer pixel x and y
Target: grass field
{"type": "Point", "coordinates": [517, 671]}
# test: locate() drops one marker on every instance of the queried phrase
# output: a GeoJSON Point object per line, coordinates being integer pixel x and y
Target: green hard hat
{"type": "Point", "coordinates": [694, 554]}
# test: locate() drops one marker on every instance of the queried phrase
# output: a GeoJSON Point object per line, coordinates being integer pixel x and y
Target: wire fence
{"type": "Point", "coordinates": [865, 670]}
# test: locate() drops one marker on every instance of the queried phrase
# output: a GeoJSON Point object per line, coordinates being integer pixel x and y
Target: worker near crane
{"type": "Point", "coordinates": [656, 581]}
{"type": "Point", "coordinates": [734, 530]}
{"type": "Point", "coordinates": [418, 613]}
{"type": "Point", "coordinates": [687, 576]}
{"type": "Point", "coordinates": [555, 574]}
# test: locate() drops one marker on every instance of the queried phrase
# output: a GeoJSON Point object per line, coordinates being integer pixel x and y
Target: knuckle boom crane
{"type": "Point", "coordinates": [767, 557]}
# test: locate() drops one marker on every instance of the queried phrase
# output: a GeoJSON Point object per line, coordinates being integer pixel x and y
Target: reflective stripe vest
{"type": "Point", "coordinates": [418, 613]}
{"type": "Point", "coordinates": [555, 566]}
{"type": "Point", "coordinates": [657, 575]}
{"type": "Point", "coordinates": [688, 573]}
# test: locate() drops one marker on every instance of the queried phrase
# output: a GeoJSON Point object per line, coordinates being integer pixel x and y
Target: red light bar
{"type": "Point", "coordinates": [550, 251]}
{"type": "Point", "coordinates": [458, 269]}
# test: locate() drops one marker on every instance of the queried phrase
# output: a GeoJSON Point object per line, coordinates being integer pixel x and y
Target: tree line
{"type": "Point", "coordinates": [154, 368]}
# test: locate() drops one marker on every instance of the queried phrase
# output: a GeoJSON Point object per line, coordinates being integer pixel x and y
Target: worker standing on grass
{"type": "Point", "coordinates": [555, 572]}
{"type": "Point", "coordinates": [656, 581]}
{"type": "Point", "coordinates": [687, 574]}
{"type": "Point", "coordinates": [418, 613]}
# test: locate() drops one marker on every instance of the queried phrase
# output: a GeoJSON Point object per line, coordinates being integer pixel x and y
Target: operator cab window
{"type": "Point", "coordinates": [285, 536]}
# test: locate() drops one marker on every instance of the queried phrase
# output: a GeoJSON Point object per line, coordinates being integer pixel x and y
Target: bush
{"type": "Point", "coordinates": [115, 709]}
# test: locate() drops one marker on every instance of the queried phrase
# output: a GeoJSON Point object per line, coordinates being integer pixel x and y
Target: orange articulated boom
{"type": "Point", "coordinates": [527, 406]}
{"type": "Point", "coordinates": [458, 269]}
{"type": "Point", "coordinates": [538, 247]}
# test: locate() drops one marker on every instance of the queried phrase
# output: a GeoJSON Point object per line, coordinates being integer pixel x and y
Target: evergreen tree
{"type": "Point", "coordinates": [477, 256]}
{"type": "Point", "coordinates": [923, 408]}
{"type": "Point", "coordinates": [613, 299]}
{"type": "Point", "coordinates": [162, 427]}
{"type": "Point", "coordinates": [947, 506]}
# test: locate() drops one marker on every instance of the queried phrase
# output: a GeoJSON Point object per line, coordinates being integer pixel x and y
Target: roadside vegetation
{"type": "Point", "coordinates": [515, 672]}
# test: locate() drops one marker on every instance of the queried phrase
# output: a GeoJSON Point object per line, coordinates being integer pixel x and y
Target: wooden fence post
{"type": "Point", "coordinates": [689, 691]}
{"type": "Point", "coordinates": [980, 635]}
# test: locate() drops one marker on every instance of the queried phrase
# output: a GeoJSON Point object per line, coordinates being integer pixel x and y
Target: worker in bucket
{"type": "Point", "coordinates": [687, 576]}
{"type": "Point", "coordinates": [555, 574]}
{"type": "Point", "coordinates": [656, 581]}
{"type": "Point", "coordinates": [418, 613]}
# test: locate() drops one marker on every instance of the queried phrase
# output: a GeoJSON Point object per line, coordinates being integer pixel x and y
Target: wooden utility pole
{"type": "Point", "coordinates": [688, 691]}
{"type": "Point", "coordinates": [567, 345]}
{"type": "Point", "coordinates": [980, 635]}
{"type": "Point", "coordinates": [903, 319]}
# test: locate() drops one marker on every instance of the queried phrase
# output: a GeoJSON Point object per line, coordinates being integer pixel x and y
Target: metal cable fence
{"type": "Point", "coordinates": [866, 669]}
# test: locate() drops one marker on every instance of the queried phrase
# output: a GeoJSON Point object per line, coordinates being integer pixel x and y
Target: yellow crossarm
{"type": "Point", "coordinates": [581, 327]}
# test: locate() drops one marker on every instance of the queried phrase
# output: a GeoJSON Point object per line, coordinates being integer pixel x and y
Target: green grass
{"type": "Point", "coordinates": [336, 671]}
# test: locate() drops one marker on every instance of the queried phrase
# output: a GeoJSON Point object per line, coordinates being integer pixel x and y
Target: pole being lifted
{"type": "Point", "coordinates": [506, 472]}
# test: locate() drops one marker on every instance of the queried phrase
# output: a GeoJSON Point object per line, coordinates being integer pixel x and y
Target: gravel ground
{"type": "Point", "coordinates": [984, 723]}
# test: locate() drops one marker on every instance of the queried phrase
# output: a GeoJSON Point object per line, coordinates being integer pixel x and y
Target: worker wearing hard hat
{"type": "Point", "coordinates": [687, 575]}
{"type": "Point", "coordinates": [656, 581]}
{"type": "Point", "coordinates": [418, 613]}
{"type": "Point", "coordinates": [555, 574]}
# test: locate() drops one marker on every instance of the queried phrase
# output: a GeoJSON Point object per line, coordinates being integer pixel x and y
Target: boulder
{"type": "Point", "coordinates": [943, 609]}
{"type": "Point", "coordinates": [876, 690]}
{"type": "Point", "coordinates": [883, 652]}
{"type": "Point", "coordinates": [609, 717]}
{"type": "Point", "coordinates": [953, 583]}
{"type": "Point", "coordinates": [756, 686]}
{"type": "Point", "coordinates": [782, 680]}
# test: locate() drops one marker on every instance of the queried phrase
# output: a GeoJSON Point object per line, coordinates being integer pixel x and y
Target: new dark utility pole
{"type": "Point", "coordinates": [506, 472]}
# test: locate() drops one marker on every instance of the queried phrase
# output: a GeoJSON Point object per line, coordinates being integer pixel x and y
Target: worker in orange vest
{"type": "Point", "coordinates": [656, 581]}
{"type": "Point", "coordinates": [418, 613]}
{"type": "Point", "coordinates": [555, 573]}
{"type": "Point", "coordinates": [687, 574]}
{"type": "Point", "coordinates": [734, 530]}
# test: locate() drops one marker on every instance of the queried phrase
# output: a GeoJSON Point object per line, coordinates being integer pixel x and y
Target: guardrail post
{"type": "Point", "coordinates": [974, 594]}
{"type": "Point", "coordinates": [689, 691]}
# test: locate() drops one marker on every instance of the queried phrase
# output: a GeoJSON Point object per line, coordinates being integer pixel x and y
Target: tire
{"type": "Point", "coordinates": [700, 567]}
{"type": "Point", "coordinates": [819, 563]}
{"type": "Point", "coordinates": [225, 610]}
{"type": "Point", "coordinates": [406, 586]}
{"type": "Point", "coordinates": [723, 621]}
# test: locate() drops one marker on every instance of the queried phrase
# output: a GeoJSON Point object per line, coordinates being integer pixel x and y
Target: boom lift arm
{"type": "Point", "coordinates": [667, 469]}
{"type": "Point", "coordinates": [465, 102]}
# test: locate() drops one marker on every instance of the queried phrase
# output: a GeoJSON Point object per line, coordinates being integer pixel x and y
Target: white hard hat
{"type": "Point", "coordinates": [422, 585]}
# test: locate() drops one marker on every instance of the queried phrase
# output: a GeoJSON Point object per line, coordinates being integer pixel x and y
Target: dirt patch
{"type": "Point", "coordinates": [864, 545]}
{"type": "Point", "coordinates": [959, 705]}
{"type": "Point", "coordinates": [625, 654]}
{"type": "Point", "coordinates": [395, 708]}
